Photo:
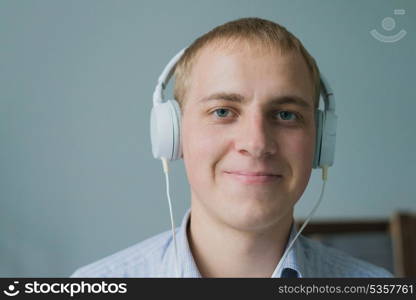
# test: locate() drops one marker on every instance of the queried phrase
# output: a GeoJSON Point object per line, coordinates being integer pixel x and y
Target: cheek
{"type": "Point", "coordinates": [299, 152]}
{"type": "Point", "coordinates": [201, 147]}
{"type": "Point", "coordinates": [299, 149]}
{"type": "Point", "coordinates": [195, 139]}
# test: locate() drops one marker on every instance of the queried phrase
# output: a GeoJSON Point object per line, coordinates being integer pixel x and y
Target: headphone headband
{"type": "Point", "coordinates": [327, 94]}
{"type": "Point", "coordinates": [164, 78]}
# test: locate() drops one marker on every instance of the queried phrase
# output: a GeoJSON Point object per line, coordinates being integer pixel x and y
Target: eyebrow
{"type": "Point", "coordinates": [234, 97]}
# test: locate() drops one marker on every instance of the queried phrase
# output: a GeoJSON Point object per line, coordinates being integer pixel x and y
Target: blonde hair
{"type": "Point", "coordinates": [266, 33]}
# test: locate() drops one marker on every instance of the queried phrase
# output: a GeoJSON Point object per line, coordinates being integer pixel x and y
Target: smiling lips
{"type": "Point", "coordinates": [254, 177]}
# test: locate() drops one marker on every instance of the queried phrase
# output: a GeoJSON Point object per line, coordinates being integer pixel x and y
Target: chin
{"type": "Point", "coordinates": [253, 216]}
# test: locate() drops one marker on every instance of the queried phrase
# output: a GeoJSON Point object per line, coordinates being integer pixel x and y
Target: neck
{"type": "Point", "coordinates": [222, 251]}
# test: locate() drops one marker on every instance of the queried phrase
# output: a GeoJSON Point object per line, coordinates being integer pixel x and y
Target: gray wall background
{"type": "Point", "coordinates": [77, 178]}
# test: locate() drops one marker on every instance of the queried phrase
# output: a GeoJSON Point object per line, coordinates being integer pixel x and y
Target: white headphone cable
{"type": "Point", "coordinates": [166, 171]}
{"type": "Point", "coordinates": [285, 254]}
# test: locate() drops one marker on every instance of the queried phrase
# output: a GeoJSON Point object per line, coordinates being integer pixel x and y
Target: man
{"type": "Point", "coordinates": [248, 91]}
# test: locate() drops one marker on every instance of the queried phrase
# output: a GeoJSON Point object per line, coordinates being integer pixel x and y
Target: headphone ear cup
{"type": "Point", "coordinates": [319, 116]}
{"type": "Point", "coordinates": [176, 122]}
{"type": "Point", "coordinates": [329, 128]}
{"type": "Point", "coordinates": [165, 130]}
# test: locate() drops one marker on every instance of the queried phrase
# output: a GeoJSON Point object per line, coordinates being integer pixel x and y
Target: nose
{"type": "Point", "coordinates": [255, 136]}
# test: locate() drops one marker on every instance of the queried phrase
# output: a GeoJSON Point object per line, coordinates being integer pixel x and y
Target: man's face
{"type": "Point", "coordinates": [248, 112]}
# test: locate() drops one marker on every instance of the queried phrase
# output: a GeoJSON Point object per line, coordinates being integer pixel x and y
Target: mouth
{"type": "Point", "coordinates": [253, 177]}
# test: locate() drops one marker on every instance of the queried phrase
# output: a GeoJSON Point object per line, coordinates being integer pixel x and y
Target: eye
{"type": "Point", "coordinates": [287, 115]}
{"type": "Point", "coordinates": [221, 112]}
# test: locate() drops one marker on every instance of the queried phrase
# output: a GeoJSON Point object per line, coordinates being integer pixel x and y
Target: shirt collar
{"type": "Point", "coordinates": [293, 266]}
{"type": "Point", "coordinates": [187, 263]}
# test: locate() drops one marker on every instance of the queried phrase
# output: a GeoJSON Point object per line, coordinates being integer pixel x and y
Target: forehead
{"type": "Point", "coordinates": [249, 69]}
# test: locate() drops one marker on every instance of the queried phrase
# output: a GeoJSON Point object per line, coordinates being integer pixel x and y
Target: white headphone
{"type": "Point", "coordinates": [166, 120]}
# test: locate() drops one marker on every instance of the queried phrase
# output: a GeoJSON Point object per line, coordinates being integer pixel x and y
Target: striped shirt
{"type": "Point", "coordinates": [155, 257]}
